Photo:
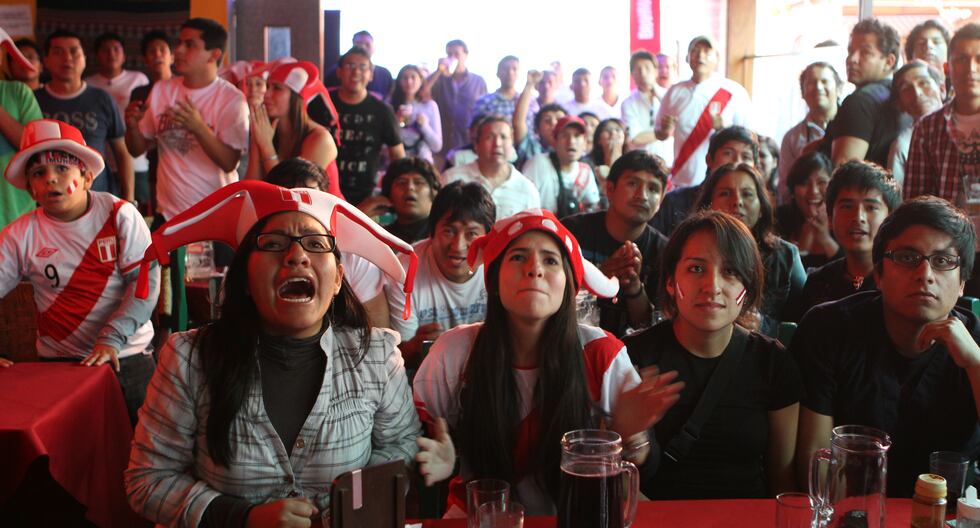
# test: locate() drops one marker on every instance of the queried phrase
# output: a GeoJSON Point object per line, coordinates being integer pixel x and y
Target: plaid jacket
{"type": "Point", "coordinates": [934, 161]}
{"type": "Point", "coordinates": [364, 415]}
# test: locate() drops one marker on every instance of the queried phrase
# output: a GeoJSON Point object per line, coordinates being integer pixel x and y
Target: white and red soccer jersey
{"type": "Point", "coordinates": [436, 386]}
{"type": "Point", "coordinates": [77, 271]}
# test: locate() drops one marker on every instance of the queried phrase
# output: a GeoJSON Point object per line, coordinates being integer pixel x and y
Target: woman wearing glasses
{"type": "Point", "coordinates": [250, 418]}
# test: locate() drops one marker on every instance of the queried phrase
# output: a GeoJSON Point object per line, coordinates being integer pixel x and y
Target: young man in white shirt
{"type": "Point", "coordinates": [197, 122]}
{"type": "Point", "coordinates": [640, 109]}
{"type": "Point", "coordinates": [512, 192]}
{"type": "Point", "coordinates": [447, 293]}
{"type": "Point", "coordinates": [566, 185]}
{"type": "Point", "coordinates": [693, 109]}
{"type": "Point", "coordinates": [582, 101]}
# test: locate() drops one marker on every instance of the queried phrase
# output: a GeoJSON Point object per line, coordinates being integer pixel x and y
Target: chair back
{"type": "Point", "coordinates": [387, 483]}
{"type": "Point", "coordinates": [18, 324]}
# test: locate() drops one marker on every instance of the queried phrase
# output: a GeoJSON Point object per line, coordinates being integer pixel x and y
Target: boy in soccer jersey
{"type": "Point", "coordinates": [81, 250]}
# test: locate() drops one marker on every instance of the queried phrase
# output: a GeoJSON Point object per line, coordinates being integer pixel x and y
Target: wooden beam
{"type": "Point", "coordinates": [741, 41]}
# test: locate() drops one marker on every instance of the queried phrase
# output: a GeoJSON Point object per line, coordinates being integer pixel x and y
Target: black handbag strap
{"type": "Point", "coordinates": [680, 445]}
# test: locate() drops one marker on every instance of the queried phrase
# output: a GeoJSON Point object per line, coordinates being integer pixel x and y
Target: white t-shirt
{"type": "Point", "coordinates": [611, 110]}
{"type": "Point", "coordinates": [641, 116]}
{"type": "Point", "coordinates": [77, 269]}
{"type": "Point", "coordinates": [436, 387]}
{"type": "Point", "coordinates": [185, 173]}
{"type": "Point", "coordinates": [580, 180]}
{"type": "Point", "coordinates": [366, 279]}
{"type": "Point", "coordinates": [516, 194]}
{"type": "Point", "coordinates": [599, 108]}
{"type": "Point", "coordinates": [120, 88]}
{"type": "Point", "coordinates": [687, 100]}
{"type": "Point", "coordinates": [436, 299]}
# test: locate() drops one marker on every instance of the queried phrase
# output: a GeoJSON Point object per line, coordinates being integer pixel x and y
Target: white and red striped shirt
{"type": "Point", "coordinates": [77, 269]}
{"type": "Point", "coordinates": [436, 387]}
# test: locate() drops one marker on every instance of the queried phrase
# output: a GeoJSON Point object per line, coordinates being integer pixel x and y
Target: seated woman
{"type": "Point", "coordinates": [740, 191]}
{"type": "Point", "coordinates": [250, 418]}
{"type": "Point", "coordinates": [804, 221]}
{"type": "Point", "coordinates": [742, 390]}
{"type": "Point", "coordinates": [281, 127]}
{"type": "Point", "coordinates": [419, 119]}
{"type": "Point", "coordinates": [531, 372]}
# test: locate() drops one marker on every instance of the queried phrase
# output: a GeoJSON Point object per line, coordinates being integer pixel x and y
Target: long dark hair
{"type": "Point", "coordinates": [228, 346]}
{"type": "Point", "coordinates": [598, 156]}
{"type": "Point", "coordinates": [763, 230]}
{"type": "Point", "coordinates": [397, 94]}
{"type": "Point", "coordinates": [299, 121]}
{"type": "Point", "coordinates": [490, 400]}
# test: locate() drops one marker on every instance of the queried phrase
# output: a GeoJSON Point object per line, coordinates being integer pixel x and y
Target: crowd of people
{"type": "Point", "coordinates": [411, 263]}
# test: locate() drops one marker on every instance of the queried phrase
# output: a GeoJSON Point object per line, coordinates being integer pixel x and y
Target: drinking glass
{"type": "Point", "coordinates": [500, 514]}
{"type": "Point", "coordinates": [951, 466]}
{"type": "Point", "coordinates": [482, 491]}
{"type": "Point", "coordinates": [794, 510]}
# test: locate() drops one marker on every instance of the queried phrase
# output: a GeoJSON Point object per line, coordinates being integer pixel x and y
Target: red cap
{"type": "Point", "coordinates": [303, 78]}
{"type": "Point", "coordinates": [488, 247]}
{"type": "Point", "coordinates": [49, 134]}
{"type": "Point", "coordinates": [569, 120]}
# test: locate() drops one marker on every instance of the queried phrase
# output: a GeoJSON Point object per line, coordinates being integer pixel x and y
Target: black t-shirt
{"type": "Point", "coordinates": [364, 128]}
{"type": "Point", "coordinates": [410, 233]}
{"type": "Point", "coordinates": [831, 282]}
{"type": "Point", "coordinates": [869, 115]}
{"type": "Point", "coordinates": [598, 245]}
{"type": "Point", "coordinates": [853, 373]}
{"type": "Point", "coordinates": [728, 460]}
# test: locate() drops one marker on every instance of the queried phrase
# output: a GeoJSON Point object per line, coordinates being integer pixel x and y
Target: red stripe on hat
{"type": "Point", "coordinates": [73, 304]}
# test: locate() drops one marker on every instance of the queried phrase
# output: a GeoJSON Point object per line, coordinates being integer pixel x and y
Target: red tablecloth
{"type": "Point", "coordinates": [75, 416]}
{"type": "Point", "coordinates": [703, 514]}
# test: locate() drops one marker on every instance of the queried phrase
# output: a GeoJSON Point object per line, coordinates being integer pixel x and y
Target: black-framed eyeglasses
{"type": "Point", "coordinates": [279, 242]}
{"type": "Point", "coordinates": [908, 258]}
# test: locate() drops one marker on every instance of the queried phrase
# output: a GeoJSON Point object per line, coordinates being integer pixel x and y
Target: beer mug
{"type": "Point", "coordinates": [852, 491]}
{"type": "Point", "coordinates": [598, 488]}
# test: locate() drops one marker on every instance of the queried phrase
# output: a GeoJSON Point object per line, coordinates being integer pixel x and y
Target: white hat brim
{"type": "Point", "coordinates": [16, 172]}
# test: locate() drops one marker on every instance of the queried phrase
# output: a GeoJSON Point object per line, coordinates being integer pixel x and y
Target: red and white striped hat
{"type": "Point", "coordinates": [487, 248]}
{"type": "Point", "coordinates": [230, 212]}
{"type": "Point", "coordinates": [7, 43]}
{"type": "Point", "coordinates": [303, 78]}
{"type": "Point", "coordinates": [50, 134]}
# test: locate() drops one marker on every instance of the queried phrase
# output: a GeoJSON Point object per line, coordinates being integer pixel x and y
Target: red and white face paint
{"type": "Point", "coordinates": [741, 297]}
{"type": "Point", "coordinates": [72, 186]}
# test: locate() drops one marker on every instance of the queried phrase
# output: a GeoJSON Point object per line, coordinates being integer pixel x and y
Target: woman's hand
{"type": "Point", "coordinates": [639, 408]}
{"type": "Point", "coordinates": [4, 362]}
{"type": "Point", "coordinates": [282, 513]}
{"type": "Point", "coordinates": [437, 456]}
{"type": "Point", "coordinates": [262, 130]}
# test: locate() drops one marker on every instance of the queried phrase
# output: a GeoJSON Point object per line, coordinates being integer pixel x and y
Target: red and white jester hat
{"type": "Point", "coordinates": [303, 78]}
{"type": "Point", "coordinates": [230, 212]}
{"type": "Point", "coordinates": [487, 248]}
{"type": "Point", "coordinates": [42, 135]}
{"type": "Point", "coordinates": [7, 44]}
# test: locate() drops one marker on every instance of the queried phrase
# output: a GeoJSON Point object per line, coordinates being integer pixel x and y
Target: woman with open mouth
{"type": "Point", "coordinates": [250, 418]}
{"type": "Point", "coordinates": [740, 191]}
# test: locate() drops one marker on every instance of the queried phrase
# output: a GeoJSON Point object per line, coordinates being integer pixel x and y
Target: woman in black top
{"type": "Point", "coordinates": [804, 220]}
{"type": "Point", "coordinates": [711, 277]}
{"type": "Point", "coordinates": [740, 191]}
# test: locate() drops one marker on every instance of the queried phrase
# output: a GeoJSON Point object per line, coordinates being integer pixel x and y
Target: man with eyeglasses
{"type": "Point", "coordinates": [366, 124]}
{"type": "Point", "coordinates": [903, 359]}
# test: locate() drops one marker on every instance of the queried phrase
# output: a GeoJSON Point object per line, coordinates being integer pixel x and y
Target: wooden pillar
{"type": "Point", "coordinates": [741, 41]}
{"type": "Point", "coordinates": [216, 10]}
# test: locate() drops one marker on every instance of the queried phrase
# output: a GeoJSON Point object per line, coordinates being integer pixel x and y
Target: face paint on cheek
{"type": "Point", "coordinates": [680, 294]}
{"type": "Point", "coordinates": [741, 297]}
{"type": "Point", "coordinates": [72, 186]}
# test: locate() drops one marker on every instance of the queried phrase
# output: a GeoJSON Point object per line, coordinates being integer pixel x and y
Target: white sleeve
{"type": "Point", "coordinates": [12, 262]}
{"type": "Point", "coordinates": [437, 380]}
{"type": "Point", "coordinates": [232, 123]}
{"type": "Point", "coordinates": [396, 306]}
{"type": "Point", "coordinates": [620, 376]}
{"type": "Point", "coordinates": [365, 278]}
{"type": "Point", "coordinates": [134, 237]}
{"type": "Point", "coordinates": [633, 116]}
{"type": "Point", "coordinates": [667, 105]}
{"type": "Point", "coordinates": [590, 195]}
